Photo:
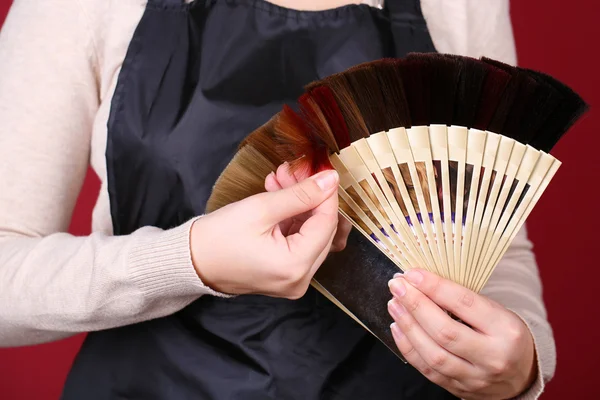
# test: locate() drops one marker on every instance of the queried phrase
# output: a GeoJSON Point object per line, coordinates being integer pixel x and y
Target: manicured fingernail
{"type": "Point", "coordinates": [397, 287]}
{"type": "Point", "coordinates": [396, 309]}
{"type": "Point", "coordinates": [326, 180]}
{"type": "Point", "coordinates": [396, 331]}
{"type": "Point", "coordinates": [398, 275]}
{"type": "Point", "coordinates": [414, 277]}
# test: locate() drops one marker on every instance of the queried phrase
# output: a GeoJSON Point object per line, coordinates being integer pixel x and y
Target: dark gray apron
{"type": "Point", "coordinates": [196, 80]}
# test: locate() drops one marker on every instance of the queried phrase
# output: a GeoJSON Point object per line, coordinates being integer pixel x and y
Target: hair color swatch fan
{"type": "Point", "coordinates": [441, 159]}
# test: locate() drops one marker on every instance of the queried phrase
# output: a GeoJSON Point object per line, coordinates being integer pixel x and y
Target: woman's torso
{"type": "Point", "coordinates": [194, 82]}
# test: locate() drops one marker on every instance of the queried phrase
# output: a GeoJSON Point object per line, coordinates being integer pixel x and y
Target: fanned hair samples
{"type": "Point", "coordinates": [441, 160]}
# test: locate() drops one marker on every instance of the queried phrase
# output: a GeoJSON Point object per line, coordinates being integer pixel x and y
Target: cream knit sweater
{"type": "Point", "coordinates": [59, 63]}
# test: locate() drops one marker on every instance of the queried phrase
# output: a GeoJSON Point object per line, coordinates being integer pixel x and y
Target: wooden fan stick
{"type": "Point", "coordinates": [420, 146]}
{"type": "Point", "coordinates": [386, 158]}
{"type": "Point", "coordinates": [475, 152]}
{"type": "Point", "coordinates": [515, 160]}
{"type": "Point", "coordinates": [500, 165]}
{"type": "Point", "coordinates": [520, 184]}
{"type": "Point", "coordinates": [522, 213]}
{"type": "Point", "coordinates": [361, 174]}
{"type": "Point", "coordinates": [489, 158]}
{"type": "Point", "coordinates": [373, 231]}
{"type": "Point", "coordinates": [400, 144]}
{"type": "Point", "coordinates": [438, 136]}
{"type": "Point", "coordinates": [362, 205]}
{"type": "Point", "coordinates": [381, 187]}
{"type": "Point", "coordinates": [457, 157]}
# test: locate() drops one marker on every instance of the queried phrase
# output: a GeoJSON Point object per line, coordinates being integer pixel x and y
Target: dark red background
{"type": "Point", "coordinates": [558, 37]}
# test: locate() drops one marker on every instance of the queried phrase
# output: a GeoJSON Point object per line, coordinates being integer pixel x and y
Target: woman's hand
{"type": "Point", "coordinates": [494, 358]}
{"type": "Point", "coordinates": [282, 179]}
{"type": "Point", "coordinates": [250, 247]}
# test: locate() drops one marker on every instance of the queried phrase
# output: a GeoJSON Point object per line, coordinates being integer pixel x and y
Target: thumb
{"type": "Point", "coordinates": [301, 197]}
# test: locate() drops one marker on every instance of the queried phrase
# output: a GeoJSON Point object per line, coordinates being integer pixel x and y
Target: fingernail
{"type": "Point", "coordinates": [396, 309]}
{"type": "Point", "coordinates": [414, 277]}
{"type": "Point", "coordinates": [396, 330]}
{"type": "Point", "coordinates": [326, 180]}
{"type": "Point", "coordinates": [398, 275]}
{"type": "Point", "coordinates": [397, 287]}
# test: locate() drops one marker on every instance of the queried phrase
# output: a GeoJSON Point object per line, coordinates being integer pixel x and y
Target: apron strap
{"type": "Point", "coordinates": [408, 26]}
{"type": "Point", "coordinates": [404, 9]}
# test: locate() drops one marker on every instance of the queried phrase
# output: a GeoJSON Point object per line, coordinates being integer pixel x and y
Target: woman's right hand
{"type": "Point", "coordinates": [242, 249]}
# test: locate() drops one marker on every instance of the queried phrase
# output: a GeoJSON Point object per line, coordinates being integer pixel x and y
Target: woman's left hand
{"type": "Point", "coordinates": [492, 358]}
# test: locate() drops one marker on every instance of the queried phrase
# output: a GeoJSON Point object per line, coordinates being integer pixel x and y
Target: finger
{"type": "Point", "coordinates": [301, 174]}
{"type": "Point", "coordinates": [415, 359]}
{"type": "Point", "coordinates": [289, 179]}
{"type": "Point", "coordinates": [470, 307]}
{"type": "Point", "coordinates": [317, 263]}
{"type": "Point", "coordinates": [292, 225]}
{"type": "Point", "coordinates": [341, 236]}
{"type": "Point", "coordinates": [301, 197]}
{"type": "Point", "coordinates": [285, 177]}
{"type": "Point", "coordinates": [453, 336]}
{"type": "Point", "coordinates": [317, 232]}
{"type": "Point", "coordinates": [432, 353]}
{"type": "Point", "coordinates": [271, 183]}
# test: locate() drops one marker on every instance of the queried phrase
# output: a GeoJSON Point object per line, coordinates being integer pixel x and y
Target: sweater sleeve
{"type": "Point", "coordinates": [52, 284]}
{"type": "Point", "coordinates": [516, 285]}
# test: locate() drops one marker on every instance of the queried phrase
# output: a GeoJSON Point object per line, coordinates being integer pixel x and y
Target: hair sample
{"type": "Point", "coordinates": [316, 121]}
{"type": "Point", "coordinates": [468, 95]}
{"type": "Point", "coordinates": [445, 75]}
{"type": "Point", "coordinates": [494, 85]}
{"type": "Point", "coordinates": [244, 176]}
{"type": "Point", "coordinates": [394, 98]}
{"type": "Point", "coordinates": [543, 103]}
{"type": "Point", "coordinates": [325, 100]}
{"type": "Point", "coordinates": [570, 109]}
{"type": "Point", "coordinates": [368, 97]}
{"type": "Point", "coordinates": [341, 89]}
{"type": "Point", "coordinates": [299, 145]}
{"type": "Point", "coordinates": [264, 141]}
{"type": "Point", "coordinates": [415, 72]}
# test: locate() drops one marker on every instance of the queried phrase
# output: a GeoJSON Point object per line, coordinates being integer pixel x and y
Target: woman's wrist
{"type": "Point", "coordinates": [543, 359]}
{"type": "Point", "coordinates": [200, 253]}
{"type": "Point", "coordinates": [529, 369]}
{"type": "Point", "coordinates": [200, 256]}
